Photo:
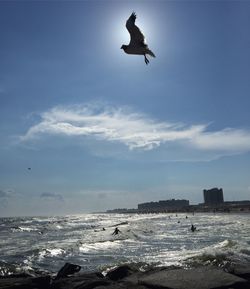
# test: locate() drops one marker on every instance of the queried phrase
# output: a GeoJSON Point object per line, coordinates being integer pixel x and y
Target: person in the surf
{"type": "Point", "coordinates": [193, 228]}
{"type": "Point", "coordinates": [116, 231]}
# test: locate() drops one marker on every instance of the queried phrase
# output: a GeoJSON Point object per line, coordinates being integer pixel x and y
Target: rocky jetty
{"type": "Point", "coordinates": [129, 277]}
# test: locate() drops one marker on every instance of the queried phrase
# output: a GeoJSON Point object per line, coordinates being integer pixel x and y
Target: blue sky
{"type": "Point", "coordinates": [100, 129]}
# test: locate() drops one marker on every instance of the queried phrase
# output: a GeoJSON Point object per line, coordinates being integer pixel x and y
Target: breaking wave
{"type": "Point", "coordinates": [35, 244]}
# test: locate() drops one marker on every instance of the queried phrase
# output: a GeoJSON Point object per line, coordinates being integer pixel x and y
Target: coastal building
{"type": "Point", "coordinates": [213, 196]}
{"type": "Point", "coordinates": [121, 211]}
{"type": "Point", "coordinates": [163, 205]}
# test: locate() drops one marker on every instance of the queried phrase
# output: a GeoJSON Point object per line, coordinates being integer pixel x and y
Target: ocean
{"type": "Point", "coordinates": [44, 244]}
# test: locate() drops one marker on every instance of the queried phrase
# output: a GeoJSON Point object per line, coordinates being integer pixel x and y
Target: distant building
{"type": "Point", "coordinates": [213, 196]}
{"type": "Point", "coordinates": [163, 205]}
{"type": "Point", "coordinates": [122, 211]}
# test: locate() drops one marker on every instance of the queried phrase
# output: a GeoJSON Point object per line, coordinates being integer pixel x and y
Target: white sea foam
{"type": "Point", "coordinates": [23, 229]}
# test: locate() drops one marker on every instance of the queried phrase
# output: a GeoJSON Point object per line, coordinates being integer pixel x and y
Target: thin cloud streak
{"type": "Point", "coordinates": [227, 140]}
{"type": "Point", "coordinates": [135, 130]}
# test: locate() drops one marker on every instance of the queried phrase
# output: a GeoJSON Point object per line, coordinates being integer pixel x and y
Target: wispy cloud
{"type": "Point", "coordinates": [134, 130]}
{"type": "Point", "coordinates": [52, 196]}
{"type": "Point", "coordinates": [228, 139]}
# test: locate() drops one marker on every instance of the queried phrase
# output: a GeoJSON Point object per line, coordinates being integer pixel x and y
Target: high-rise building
{"type": "Point", "coordinates": [213, 196]}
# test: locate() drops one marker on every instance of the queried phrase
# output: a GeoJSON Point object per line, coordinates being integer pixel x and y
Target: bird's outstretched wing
{"type": "Point", "coordinates": [136, 36]}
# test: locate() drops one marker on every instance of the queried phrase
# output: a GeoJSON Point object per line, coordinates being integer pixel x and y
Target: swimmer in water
{"type": "Point", "coordinates": [193, 228]}
{"type": "Point", "coordinates": [116, 231]}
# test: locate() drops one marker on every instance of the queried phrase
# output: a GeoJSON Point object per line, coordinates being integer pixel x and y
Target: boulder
{"type": "Point", "coordinates": [68, 269]}
{"type": "Point", "coordinates": [198, 278]}
{"type": "Point", "coordinates": [26, 283]}
{"type": "Point", "coordinates": [120, 272]}
{"type": "Point", "coordinates": [80, 281]}
{"type": "Point", "coordinates": [129, 277]}
{"type": "Point", "coordinates": [241, 270]}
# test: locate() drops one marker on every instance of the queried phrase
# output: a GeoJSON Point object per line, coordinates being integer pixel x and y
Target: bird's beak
{"type": "Point", "coordinates": [121, 47]}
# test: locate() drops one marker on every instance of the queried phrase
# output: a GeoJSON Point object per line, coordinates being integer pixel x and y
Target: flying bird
{"type": "Point", "coordinates": [137, 43]}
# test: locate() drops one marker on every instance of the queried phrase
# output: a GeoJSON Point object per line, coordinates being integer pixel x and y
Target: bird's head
{"type": "Point", "coordinates": [124, 47]}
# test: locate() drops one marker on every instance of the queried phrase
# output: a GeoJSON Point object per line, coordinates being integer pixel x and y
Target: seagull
{"type": "Point", "coordinates": [137, 43]}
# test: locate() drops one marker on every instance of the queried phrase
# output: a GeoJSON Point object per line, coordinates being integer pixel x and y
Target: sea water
{"type": "Point", "coordinates": [44, 244]}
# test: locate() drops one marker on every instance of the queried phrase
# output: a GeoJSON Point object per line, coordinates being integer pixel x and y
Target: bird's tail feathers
{"type": "Point", "coordinates": [150, 53]}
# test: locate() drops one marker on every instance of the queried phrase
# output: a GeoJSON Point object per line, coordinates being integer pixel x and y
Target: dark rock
{"type": "Point", "coordinates": [26, 283]}
{"type": "Point", "coordinates": [120, 272]}
{"type": "Point", "coordinates": [129, 277]}
{"type": "Point", "coordinates": [199, 278]}
{"type": "Point", "coordinates": [80, 281]}
{"type": "Point", "coordinates": [94, 284]}
{"type": "Point", "coordinates": [240, 270]}
{"type": "Point", "coordinates": [68, 269]}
